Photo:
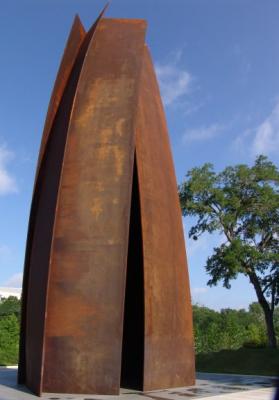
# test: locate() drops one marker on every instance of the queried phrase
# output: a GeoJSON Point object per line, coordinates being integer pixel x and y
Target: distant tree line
{"type": "Point", "coordinates": [213, 330]}
{"type": "Point", "coordinates": [9, 330]}
{"type": "Point", "coordinates": [230, 329]}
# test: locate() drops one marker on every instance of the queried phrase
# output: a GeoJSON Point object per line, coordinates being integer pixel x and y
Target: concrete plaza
{"type": "Point", "coordinates": [208, 386]}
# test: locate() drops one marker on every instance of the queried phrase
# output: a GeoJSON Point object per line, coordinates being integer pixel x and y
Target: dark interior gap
{"type": "Point", "coordinates": [133, 324]}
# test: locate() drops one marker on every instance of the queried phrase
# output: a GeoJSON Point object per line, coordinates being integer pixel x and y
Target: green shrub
{"type": "Point", "coordinates": [9, 337]}
{"type": "Point", "coordinates": [229, 329]}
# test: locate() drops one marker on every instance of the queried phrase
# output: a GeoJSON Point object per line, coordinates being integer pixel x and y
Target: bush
{"type": "Point", "coordinates": [9, 337]}
{"type": "Point", "coordinates": [229, 329]}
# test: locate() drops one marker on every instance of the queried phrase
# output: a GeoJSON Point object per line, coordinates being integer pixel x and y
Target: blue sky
{"type": "Point", "coordinates": [217, 63]}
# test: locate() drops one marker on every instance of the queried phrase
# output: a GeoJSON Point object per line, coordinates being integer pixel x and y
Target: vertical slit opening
{"type": "Point", "coordinates": [133, 324]}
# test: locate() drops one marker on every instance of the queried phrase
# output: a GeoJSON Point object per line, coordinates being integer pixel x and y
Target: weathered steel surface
{"type": "Point", "coordinates": [73, 45]}
{"type": "Point", "coordinates": [85, 236]}
{"type": "Point", "coordinates": [70, 56]}
{"type": "Point", "coordinates": [83, 333]}
{"type": "Point", "coordinates": [168, 333]}
{"type": "Point", "coordinates": [37, 260]}
{"type": "Point", "coordinates": [72, 48]}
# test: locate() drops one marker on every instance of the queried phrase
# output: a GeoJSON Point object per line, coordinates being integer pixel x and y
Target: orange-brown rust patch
{"type": "Point", "coordinates": [97, 208]}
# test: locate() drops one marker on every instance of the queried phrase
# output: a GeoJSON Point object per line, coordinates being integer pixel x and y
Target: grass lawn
{"type": "Point", "coordinates": [241, 361]}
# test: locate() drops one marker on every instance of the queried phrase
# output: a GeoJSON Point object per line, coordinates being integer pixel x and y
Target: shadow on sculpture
{"type": "Point", "coordinates": [106, 298]}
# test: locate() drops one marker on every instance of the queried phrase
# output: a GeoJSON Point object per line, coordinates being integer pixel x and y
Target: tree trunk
{"type": "Point", "coordinates": [268, 313]}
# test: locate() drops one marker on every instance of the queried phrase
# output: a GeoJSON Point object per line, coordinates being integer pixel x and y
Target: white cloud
{"type": "Point", "coordinates": [191, 109]}
{"type": "Point", "coordinates": [202, 133]}
{"type": "Point", "coordinates": [14, 281]}
{"type": "Point", "coordinates": [174, 81]}
{"type": "Point", "coordinates": [239, 143]}
{"type": "Point", "coordinates": [266, 139]}
{"type": "Point", "coordinates": [199, 295]}
{"type": "Point", "coordinates": [199, 290]}
{"type": "Point", "coordinates": [7, 182]}
{"type": "Point", "coordinates": [10, 291]}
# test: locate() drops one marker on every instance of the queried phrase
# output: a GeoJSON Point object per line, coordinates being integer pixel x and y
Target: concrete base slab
{"type": "Point", "coordinates": [208, 386]}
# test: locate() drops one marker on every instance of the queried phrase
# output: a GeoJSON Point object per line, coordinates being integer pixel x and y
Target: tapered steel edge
{"type": "Point", "coordinates": [74, 42]}
{"type": "Point", "coordinates": [76, 46]}
{"type": "Point", "coordinates": [73, 45]}
{"type": "Point", "coordinates": [168, 336]}
{"type": "Point", "coordinates": [77, 69]}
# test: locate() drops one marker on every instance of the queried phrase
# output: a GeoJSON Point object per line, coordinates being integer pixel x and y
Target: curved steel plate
{"type": "Point", "coordinates": [168, 336]}
{"type": "Point", "coordinates": [89, 249]}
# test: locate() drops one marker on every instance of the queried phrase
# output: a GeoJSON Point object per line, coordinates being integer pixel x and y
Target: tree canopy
{"type": "Point", "coordinates": [9, 330]}
{"type": "Point", "coordinates": [241, 202]}
{"type": "Point", "coordinates": [10, 305]}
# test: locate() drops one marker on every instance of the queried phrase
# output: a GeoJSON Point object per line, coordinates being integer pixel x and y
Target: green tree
{"type": "Point", "coordinates": [241, 202]}
{"type": "Point", "coordinates": [233, 332]}
{"type": "Point", "coordinates": [206, 329]}
{"type": "Point", "coordinates": [9, 336]}
{"type": "Point", "coordinates": [10, 305]}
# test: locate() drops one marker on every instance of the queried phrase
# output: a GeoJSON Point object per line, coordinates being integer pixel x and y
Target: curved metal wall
{"type": "Point", "coordinates": [105, 115]}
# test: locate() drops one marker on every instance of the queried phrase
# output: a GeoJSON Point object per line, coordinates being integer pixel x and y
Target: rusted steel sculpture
{"type": "Point", "coordinates": [106, 298]}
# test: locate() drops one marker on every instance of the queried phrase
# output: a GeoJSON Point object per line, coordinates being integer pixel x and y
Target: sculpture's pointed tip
{"type": "Point", "coordinates": [105, 8]}
{"type": "Point", "coordinates": [99, 17]}
{"type": "Point", "coordinates": [77, 23]}
{"type": "Point", "coordinates": [77, 18]}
